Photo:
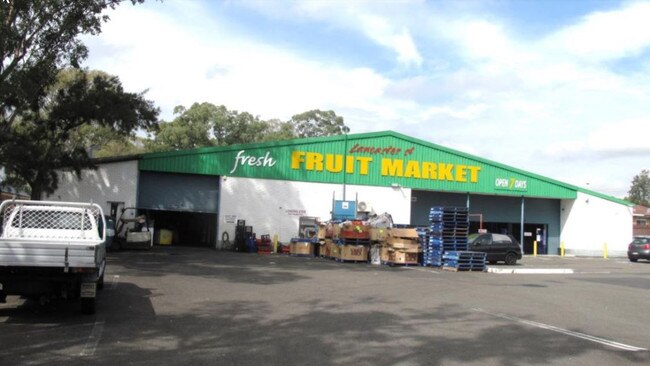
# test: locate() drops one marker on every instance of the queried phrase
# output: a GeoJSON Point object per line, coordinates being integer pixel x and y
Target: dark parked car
{"type": "Point", "coordinates": [639, 248]}
{"type": "Point", "coordinates": [498, 247]}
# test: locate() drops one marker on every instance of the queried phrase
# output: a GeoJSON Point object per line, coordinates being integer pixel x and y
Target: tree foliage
{"type": "Point", "coordinates": [316, 123]}
{"type": "Point", "coordinates": [38, 38]}
{"type": "Point", "coordinates": [79, 110]}
{"type": "Point", "coordinates": [204, 124]}
{"type": "Point", "coordinates": [639, 192]}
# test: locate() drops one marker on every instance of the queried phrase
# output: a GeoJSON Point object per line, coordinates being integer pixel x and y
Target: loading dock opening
{"type": "Point", "coordinates": [194, 229]}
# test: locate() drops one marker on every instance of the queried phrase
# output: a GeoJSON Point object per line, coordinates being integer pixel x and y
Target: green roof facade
{"type": "Point", "coordinates": [374, 159]}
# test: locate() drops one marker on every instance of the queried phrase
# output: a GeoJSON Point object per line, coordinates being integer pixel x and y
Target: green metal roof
{"type": "Point", "coordinates": [379, 159]}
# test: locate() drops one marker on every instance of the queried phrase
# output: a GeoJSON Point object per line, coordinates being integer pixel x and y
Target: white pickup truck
{"type": "Point", "coordinates": [52, 249]}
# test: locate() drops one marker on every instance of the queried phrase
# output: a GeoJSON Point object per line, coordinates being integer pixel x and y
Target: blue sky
{"type": "Point", "coordinates": [559, 88]}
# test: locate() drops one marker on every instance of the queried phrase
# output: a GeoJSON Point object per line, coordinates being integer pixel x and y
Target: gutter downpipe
{"type": "Point", "coordinates": [521, 231]}
{"type": "Point", "coordinates": [345, 162]}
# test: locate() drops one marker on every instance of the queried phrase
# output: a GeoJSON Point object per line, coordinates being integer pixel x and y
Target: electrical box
{"type": "Point", "coordinates": [344, 210]}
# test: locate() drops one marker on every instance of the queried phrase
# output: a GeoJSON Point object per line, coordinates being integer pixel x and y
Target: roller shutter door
{"type": "Point", "coordinates": [178, 192]}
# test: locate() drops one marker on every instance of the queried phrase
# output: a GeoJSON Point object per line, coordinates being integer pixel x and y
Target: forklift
{"type": "Point", "coordinates": [133, 231]}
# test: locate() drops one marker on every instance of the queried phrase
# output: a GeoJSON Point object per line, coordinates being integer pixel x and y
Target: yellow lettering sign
{"type": "Point", "coordinates": [338, 163]}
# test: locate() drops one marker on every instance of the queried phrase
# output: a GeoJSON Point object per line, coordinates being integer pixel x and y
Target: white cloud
{"type": "Point", "coordinates": [612, 140]}
{"type": "Point", "coordinates": [207, 63]}
{"type": "Point", "coordinates": [361, 16]}
{"type": "Point", "coordinates": [382, 32]}
{"type": "Point", "coordinates": [603, 36]}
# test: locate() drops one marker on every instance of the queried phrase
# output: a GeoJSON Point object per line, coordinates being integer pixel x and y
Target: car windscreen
{"type": "Point", "coordinates": [472, 237]}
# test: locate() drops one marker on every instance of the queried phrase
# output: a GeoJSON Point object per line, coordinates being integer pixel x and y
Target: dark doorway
{"type": "Point", "coordinates": [194, 229]}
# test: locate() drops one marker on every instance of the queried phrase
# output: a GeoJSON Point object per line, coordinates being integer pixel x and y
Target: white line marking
{"type": "Point", "coordinates": [587, 337]}
{"type": "Point", "coordinates": [93, 339]}
{"type": "Point", "coordinates": [116, 279]}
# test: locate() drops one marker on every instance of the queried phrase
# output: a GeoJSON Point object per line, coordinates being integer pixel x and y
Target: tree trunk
{"type": "Point", "coordinates": [35, 195]}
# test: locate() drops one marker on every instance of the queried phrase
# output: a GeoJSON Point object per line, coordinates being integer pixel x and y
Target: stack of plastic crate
{"type": "Point", "coordinates": [448, 232]}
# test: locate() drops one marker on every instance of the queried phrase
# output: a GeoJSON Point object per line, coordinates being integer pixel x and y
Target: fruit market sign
{"type": "Point", "coordinates": [386, 161]}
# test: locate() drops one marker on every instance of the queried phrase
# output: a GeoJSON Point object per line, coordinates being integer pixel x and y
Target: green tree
{"type": "Point", "coordinates": [317, 123]}
{"type": "Point", "coordinates": [56, 135]}
{"type": "Point", "coordinates": [190, 129]}
{"type": "Point", "coordinates": [205, 124]}
{"type": "Point", "coordinates": [639, 192]}
{"type": "Point", "coordinates": [277, 130]}
{"type": "Point", "coordinates": [103, 141]}
{"type": "Point", "coordinates": [37, 39]}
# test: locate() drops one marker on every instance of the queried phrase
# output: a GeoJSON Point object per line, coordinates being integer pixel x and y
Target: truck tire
{"type": "Point", "coordinates": [88, 305]}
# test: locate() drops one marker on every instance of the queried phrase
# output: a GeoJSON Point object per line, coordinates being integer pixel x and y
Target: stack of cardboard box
{"type": "Point", "coordinates": [401, 247]}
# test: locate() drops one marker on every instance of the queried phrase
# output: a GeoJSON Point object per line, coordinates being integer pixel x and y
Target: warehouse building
{"type": "Point", "coordinates": [200, 194]}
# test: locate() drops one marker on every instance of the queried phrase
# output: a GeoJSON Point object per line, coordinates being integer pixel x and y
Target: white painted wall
{"type": "Point", "coordinates": [588, 222]}
{"type": "Point", "coordinates": [116, 182]}
{"type": "Point", "coordinates": [274, 206]}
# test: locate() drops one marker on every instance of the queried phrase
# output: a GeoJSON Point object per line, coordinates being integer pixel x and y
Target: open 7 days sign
{"type": "Point", "coordinates": [511, 184]}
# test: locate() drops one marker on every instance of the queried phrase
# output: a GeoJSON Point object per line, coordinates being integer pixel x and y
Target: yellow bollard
{"type": "Point", "coordinates": [275, 243]}
{"type": "Point", "coordinates": [562, 249]}
{"type": "Point", "coordinates": [535, 248]}
{"type": "Point", "coordinates": [605, 250]}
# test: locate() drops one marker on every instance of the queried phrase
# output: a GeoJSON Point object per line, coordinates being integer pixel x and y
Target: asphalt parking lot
{"type": "Point", "coordinates": [182, 306]}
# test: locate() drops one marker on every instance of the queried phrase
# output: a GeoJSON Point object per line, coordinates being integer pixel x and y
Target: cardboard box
{"type": "Point", "coordinates": [400, 257]}
{"type": "Point", "coordinates": [396, 240]}
{"type": "Point", "coordinates": [336, 231]}
{"type": "Point", "coordinates": [301, 248]}
{"type": "Point", "coordinates": [335, 251]}
{"type": "Point", "coordinates": [405, 245]}
{"type": "Point", "coordinates": [353, 252]}
{"type": "Point", "coordinates": [326, 248]}
{"type": "Point", "coordinates": [378, 234]}
{"type": "Point", "coordinates": [383, 254]}
{"type": "Point", "coordinates": [403, 233]}
{"type": "Point", "coordinates": [322, 232]}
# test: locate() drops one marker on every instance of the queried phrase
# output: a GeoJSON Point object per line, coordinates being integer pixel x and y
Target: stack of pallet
{"type": "Point", "coordinates": [401, 247]}
{"type": "Point", "coordinates": [448, 232]}
{"type": "Point", "coordinates": [464, 261]}
{"type": "Point", "coordinates": [423, 238]}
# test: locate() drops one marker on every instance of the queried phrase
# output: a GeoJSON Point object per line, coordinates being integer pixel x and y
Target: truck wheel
{"type": "Point", "coordinates": [88, 305]}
